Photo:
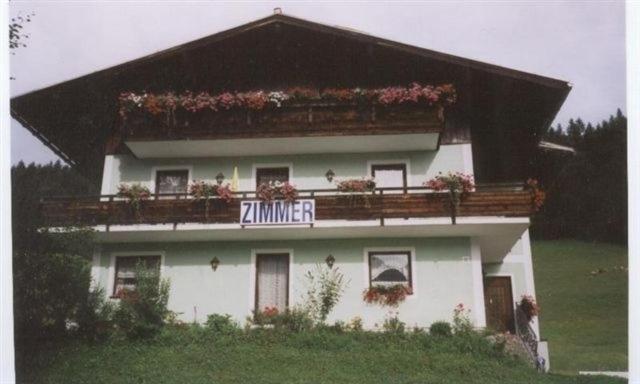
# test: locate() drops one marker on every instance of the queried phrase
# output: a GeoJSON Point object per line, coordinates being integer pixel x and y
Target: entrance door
{"type": "Point", "coordinates": [498, 301]}
{"type": "Point", "coordinates": [272, 281]}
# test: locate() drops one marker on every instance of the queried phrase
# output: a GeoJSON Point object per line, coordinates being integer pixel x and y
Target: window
{"type": "Point", "coordinates": [125, 274]}
{"type": "Point", "coordinates": [270, 175]}
{"type": "Point", "coordinates": [272, 281]}
{"type": "Point", "coordinates": [389, 175]}
{"type": "Point", "coordinates": [390, 268]}
{"type": "Point", "coordinates": [174, 181]}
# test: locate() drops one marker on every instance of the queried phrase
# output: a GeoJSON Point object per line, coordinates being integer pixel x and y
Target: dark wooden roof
{"type": "Point", "coordinates": [75, 118]}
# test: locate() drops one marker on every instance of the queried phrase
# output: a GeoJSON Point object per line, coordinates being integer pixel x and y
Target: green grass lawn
{"type": "Point", "coordinates": [583, 317]}
{"type": "Point", "coordinates": [196, 356]}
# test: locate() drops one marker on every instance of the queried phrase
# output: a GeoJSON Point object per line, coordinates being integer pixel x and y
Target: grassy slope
{"type": "Point", "coordinates": [584, 318]}
{"type": "Point", "coordinates": [199, 357]}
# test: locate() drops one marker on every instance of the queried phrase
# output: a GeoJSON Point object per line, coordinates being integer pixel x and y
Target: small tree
{"type": "Point", "coordinates": [325, 286]}
{"type": "Point", "coordinates": [142, 312]}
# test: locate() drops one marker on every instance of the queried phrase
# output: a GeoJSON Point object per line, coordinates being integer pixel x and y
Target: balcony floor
{"type": "Point", "coordinates": [496, 235]}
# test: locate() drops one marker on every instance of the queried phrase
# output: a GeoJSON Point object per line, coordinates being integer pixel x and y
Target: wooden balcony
{"type": "Point", "coordinates": [386, 203]}
{"type": "Point", "coordinates": [292, 129]}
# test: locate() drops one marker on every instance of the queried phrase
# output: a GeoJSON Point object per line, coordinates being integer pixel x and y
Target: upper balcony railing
{"type": "Point", "coordinates": [312, 119]}
{"type": "Point", "coordinates": [383, 203]}
{"type": "Point", "coordinates": [284, 122]}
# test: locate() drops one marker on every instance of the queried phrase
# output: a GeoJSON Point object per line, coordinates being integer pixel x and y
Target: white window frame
{"type": "Point", "coordinates": [255, 166]}
{"type": "Point", "coordinates": [406, 162]}
{"type": "Point", "coordinates": [412, 260]}
{"type": "Point", "coordinates": [254, 271]}
{"type": "Point", "coordinates": [155, 169]}
{"type": "Point", "coordinates": [111, 275]}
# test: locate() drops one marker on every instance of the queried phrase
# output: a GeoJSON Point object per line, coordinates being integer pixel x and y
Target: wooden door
{"type": "Point", "coordinates": [272, 281]}
{"type": "Point", "coordinates": [498, 301]}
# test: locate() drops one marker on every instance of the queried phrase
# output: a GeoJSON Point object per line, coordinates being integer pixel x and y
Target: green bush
{"type": "Point", "coordinates": [294, 319]}
{"type": "Point", "coordinates": [440, 328]}
{"type": "Point", "coordinates": [355, 325]}
{"type": "Point", "coordinates": [393, 325]}
{"type": "Point", "coordinates": [51, 281]}
{"type": "Point", "coordinates": [222, 324]}
{"type": "Point", "coordinates": [141, 313]}
{"type": "Point", "coordinates": [95, 316]}
{"type": "Point", "coordinates": [325, 286]}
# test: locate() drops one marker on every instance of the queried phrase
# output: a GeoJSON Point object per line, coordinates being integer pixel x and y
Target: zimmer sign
{"type": "Point", "coordinates": [277, 212]}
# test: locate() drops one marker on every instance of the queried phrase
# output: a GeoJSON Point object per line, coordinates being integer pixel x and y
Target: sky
{"type": "Point", "coordinates": [578, 41]}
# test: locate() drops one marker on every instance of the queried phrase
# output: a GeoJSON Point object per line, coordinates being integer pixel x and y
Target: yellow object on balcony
{"type": "Point", "coordinates": [234, 180]}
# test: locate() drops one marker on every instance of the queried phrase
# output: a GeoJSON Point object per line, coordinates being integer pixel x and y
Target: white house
{"type": "Point", "coordinates": [326, 114]}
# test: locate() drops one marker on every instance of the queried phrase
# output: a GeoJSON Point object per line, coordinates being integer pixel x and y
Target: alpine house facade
{"type": "Point", "coordinates": [237, 162]}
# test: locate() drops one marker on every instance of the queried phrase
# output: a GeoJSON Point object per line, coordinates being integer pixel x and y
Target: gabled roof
{"type": "Point", "coordinates": [76, 117]}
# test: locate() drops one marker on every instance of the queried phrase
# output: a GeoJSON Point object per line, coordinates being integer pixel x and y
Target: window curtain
{"type": "Point", "coordinates": [173, 181]}
{"type": "Point", "coordinates": [126, 270]}
{"type": "Point", "coordinates": [390, 269]}
{"type": "Point", "coordinates": [273, 278]}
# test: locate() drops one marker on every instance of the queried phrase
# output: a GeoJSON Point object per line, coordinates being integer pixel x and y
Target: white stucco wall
{"type": "Point", "coordinates": [443, 276]}
{"type": "Point", "coordinates": [307, 171]}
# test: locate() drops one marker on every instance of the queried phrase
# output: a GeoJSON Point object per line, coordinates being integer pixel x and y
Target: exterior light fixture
{"type": "Point", "coordinates": [330, 175]}
{"type": "Point", "coordinates": [330, 260]}
{"type": "Point", "coordinates": [220, 178]}
{"type": "Point", "coordinates": [214, 263]}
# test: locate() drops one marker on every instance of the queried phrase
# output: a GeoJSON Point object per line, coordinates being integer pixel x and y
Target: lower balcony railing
{"type": "Point", "coordinates": [383, 203]}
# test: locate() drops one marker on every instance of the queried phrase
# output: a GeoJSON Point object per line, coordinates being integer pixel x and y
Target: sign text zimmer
{"type": "Point", "coordinates": [256, 212]}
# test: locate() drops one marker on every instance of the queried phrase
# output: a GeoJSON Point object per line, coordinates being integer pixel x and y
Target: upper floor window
{"type": "Point", "coordinates": [271, 174]}
{"type": "Point", "coordinates": [125, 273]}
{"type": "Point", "coordinates": [173, 181]}
{"type": "Point", "coordinates": [390, 175]}
{"type": "Point", "coordinates": [390, 268]}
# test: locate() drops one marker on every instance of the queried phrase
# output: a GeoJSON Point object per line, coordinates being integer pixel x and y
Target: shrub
{"type": "Point", "coordinates": [294, 319]}
{"type": "Point", "coordinates": [355, 324]}
{"type": "Point", "coordinates": [95, 316]}
{"type": "Point", "coordinates": [393, 325]}
{"type": "Point", "coordinates": [222, 324]}
{"type": "Point", "coordinates": [51, 282]}
{"type": "Point", "coordinates": [461, 321]}
{"type": "Point", "coordinates": [440, 328]}
{"type": "Point", "coordinates": [264, 317]}
{"type": "Point", "coordinates": [141, 313]}
{"type": "Point", "coordinates": [325, 286]}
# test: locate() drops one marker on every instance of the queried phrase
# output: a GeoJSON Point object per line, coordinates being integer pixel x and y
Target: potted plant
{"type": "Point", "coordinates": [135, 194]}
{"type": "Point", "coordinates": [386, 295]}
{"type": "Point", "coordinates": [277, 191]}
{"type": "Point", "coordinates": [202, 190]}
{"type": "Point", "coordinates": [537, 194]}
{"type": "Point", "coordinates": [529, 307]}
{"type": "Point", "coordinates": [457, 184]}
{"type": "Point", "coordinates": [357, 188]}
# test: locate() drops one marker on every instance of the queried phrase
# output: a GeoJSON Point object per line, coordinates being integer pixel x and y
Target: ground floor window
{"type": "Point", "coordinates": [125, 272]}
{"type": "Point", "coordinates": [390, 268]}
{"type": "Point", "coordinates": [272, 281]}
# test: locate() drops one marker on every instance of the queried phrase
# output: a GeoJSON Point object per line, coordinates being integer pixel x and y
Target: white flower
{"type": "Point", "coordinates": [277, 97]}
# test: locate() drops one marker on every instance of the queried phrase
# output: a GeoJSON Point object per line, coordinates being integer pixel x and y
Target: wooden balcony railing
{"type": "Point", "coordinates": [384, 203]}
{"type": "Point", "coordinates": [308, 119]}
